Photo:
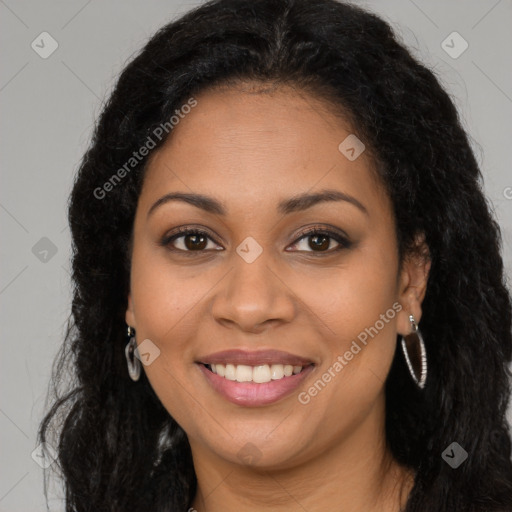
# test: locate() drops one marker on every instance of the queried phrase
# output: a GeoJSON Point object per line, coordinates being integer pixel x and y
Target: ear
{"type": "Point", "coordinates": [130, 314]}
{"type": "Point", "coordinates": [413, 284]}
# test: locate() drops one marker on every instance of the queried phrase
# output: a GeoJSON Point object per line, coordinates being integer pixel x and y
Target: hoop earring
{"type": "Point", "coordinates": [415, 354]}
{"type": "Point", "coordinates": [133, 362]}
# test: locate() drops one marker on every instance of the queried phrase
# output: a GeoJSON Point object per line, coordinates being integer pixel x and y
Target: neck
{"type": "Point", "coordinates": [355, 474]}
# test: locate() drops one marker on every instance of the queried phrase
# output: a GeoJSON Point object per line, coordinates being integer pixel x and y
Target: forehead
{"type": "Point", "coordinates": [251, 148]}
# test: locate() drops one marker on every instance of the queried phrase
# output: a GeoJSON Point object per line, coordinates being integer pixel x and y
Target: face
{"type": "Point", "coordinates": [275, 277]}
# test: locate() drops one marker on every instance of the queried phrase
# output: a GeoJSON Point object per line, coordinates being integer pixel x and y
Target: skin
{"type": "Point", "coordinates": [251, 149]}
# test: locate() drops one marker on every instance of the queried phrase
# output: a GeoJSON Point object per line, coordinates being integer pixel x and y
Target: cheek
{"type": "Point", "coordinates": [351, 297]}
{"type": "Point", "coordinates": [163, 299]}
{"type": "Point", "coordinates": [164, 309]}
{"type": "Point", "coordinates": [359, 305]}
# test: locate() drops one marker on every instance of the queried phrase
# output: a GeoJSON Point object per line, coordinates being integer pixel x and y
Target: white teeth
{"type": "Point", "coordinates": [230, 372]}
{"type": "Point", "coordinates": [258, 374]}
{"type": "Point", "coordinates": [243, 373]}
{"type": "Point", "coordinates": [261, 374]}
{"type": "Point", "coordinates": [277, 371]}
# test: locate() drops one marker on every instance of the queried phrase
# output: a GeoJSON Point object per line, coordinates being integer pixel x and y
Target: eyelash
{"type": "Point", "coordinates": [343, 242]}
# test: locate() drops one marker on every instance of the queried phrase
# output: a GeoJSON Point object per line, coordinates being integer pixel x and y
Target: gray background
{"type": "Point", "coordinates": [48, 107]}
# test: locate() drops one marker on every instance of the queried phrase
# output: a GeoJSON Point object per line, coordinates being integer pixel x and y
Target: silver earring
{"type": "Point", "coordinates": [133, 362]}
{"type": "Point", "coordinates": [415, 354]}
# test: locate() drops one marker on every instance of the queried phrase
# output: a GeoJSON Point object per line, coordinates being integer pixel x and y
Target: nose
{"type": "Point", "coordinates": [253, 296]}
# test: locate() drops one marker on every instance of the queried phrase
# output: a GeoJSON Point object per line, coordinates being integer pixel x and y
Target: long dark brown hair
{"type": "Point", "coordinates": [118, 448]}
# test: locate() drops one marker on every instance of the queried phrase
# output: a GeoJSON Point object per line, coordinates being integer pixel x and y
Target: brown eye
{"type": "Point", "coordinates": [195, 241]}
{"type": "Point", "coordinates": [188, 240]}
{"type": "Point", "coordinates": [319, 241]}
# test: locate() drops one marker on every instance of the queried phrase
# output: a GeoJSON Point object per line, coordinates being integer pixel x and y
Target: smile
{"type": "Point", "coordinates": [258, 374]}
{"type": "Point", "coordinates": [253, 379]}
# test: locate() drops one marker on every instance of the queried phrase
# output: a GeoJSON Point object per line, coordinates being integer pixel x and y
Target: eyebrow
{"type": "Point", "coordinates": [293, 204]}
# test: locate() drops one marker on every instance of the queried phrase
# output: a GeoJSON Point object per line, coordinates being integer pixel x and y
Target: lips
{"type": "Point", "coordinates": [254, 358]}
{"type": "Point", "coordinates": [254, 378]}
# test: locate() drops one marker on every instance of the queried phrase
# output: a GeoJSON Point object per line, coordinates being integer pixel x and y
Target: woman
{"type": "Point", "coordinates": [289, 293]}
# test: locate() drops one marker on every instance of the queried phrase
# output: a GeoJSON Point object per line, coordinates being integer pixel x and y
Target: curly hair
{"type": "Point", "coordinates": [118, 447]}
